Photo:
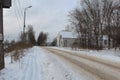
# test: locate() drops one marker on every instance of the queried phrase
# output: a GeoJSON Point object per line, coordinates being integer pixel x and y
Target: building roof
{"type": "Point", "coordinates": [68, 34]}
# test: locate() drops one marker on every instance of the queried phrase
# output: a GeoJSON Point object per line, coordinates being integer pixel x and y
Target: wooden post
{"type": "Point", "coordinates": [2, 65]}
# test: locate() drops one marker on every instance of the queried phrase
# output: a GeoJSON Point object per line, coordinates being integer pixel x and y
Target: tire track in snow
{"type": "Point", "coordinates": [95, 59]}
{"type": "Point", "coordinates": [33, 77]}
{"type": "Point", "coordinates": [57, 66]}
{"type": "Point", "coordinates": [25, 70]}
{"type": "Point", "coordinates": [28, 73]}
{"type": "Point", "coordinates": [39, 67]}
{"type": "Point", "coordinates": [104, 75]}
{"type": "Point", "coordinates": [36, 69]}
{"type": "Point", "coordinates": [28, 69]}
{"type": "Point", "coordinates": [32, 70]}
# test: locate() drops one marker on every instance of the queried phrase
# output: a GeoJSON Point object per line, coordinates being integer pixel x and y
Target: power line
{"type": "Point", "coordinates": [17, 9]}
{"type": "Point", "coordinates": [17, 14]}
{"type": "Point", "coordinates": [20, 7]}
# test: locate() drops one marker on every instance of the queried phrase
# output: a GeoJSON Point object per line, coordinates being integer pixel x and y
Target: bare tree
{"type": "Point", "coordinates": [92, 19]}
{"type": "Point", "coordinates": [31, 35]}
{"type": "Point", "coordinates": [28, 36]}
{"type": "Point", "coordinates": [23, 36]}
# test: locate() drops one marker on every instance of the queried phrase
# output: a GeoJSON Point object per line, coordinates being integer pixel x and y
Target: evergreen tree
{"type": "Point", "coordinates": [42, 38]}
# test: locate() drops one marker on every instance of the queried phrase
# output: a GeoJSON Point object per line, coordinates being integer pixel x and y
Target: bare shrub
{"type": "Point", "coordinates": [75, 45]}
{"type": "Point", "coordinates": [17, 46]}
{"type": "Point", "coordinates": [16, 55]}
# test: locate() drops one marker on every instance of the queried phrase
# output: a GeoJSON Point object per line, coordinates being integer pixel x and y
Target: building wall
{"type": "Point", "coordinates": [59, 40]}
{"type": "Point", "coordinates": [105, 41]}
{"type": "Point", "coordinates": [67, 42]}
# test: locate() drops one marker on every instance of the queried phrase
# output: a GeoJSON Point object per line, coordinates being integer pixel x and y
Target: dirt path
{"type": "Point", "coordinates": [102, 69]}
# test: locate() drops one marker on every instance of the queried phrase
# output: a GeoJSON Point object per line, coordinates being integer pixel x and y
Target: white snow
{"type": "Point", "coordinates": [112, 54]}
{"type": "Point", "coordinates": [38, 64]}
{"type": "Point", "coordinates": [68, 34]}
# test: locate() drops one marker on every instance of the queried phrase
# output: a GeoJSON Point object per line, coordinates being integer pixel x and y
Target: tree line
{"type": "Point", "coordinates": [29, 37]}
{"type": "Point", "coordinates": [94, 19]}
{"type": "Point", "coordinates": [26, 39]}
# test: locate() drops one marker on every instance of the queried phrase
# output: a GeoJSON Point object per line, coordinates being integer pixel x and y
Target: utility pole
{"type": "Point", "coordinates": [3, 4]}
{"type": "Point", "coordinates": [24, 24]}
{"type": "Point", "coordinates": [1, 38]}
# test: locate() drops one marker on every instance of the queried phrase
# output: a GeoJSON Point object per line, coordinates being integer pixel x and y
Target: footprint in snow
{"type": "Point", "coordinates": [68, 76]}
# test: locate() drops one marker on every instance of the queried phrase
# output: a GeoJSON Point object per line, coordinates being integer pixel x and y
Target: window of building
{"type": "Point", "coordinates": [65, 43]}
{"type": "Point", "coordinates": [105, 42]}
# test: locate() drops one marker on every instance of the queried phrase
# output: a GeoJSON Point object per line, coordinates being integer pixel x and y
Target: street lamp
{"type": "Point", "coordinates": [25, 18]}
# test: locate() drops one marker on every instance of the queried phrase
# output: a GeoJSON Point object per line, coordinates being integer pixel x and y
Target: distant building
{"type": "Point", "coordinates": [66, 38]}
{"type": "Point", "coordinates": [104, 41]}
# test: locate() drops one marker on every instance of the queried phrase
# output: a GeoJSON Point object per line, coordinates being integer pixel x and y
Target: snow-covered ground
{"type": "Point", "coordinates": [37, 64]}
{"type": "Point", "coordinates": [112, 54]}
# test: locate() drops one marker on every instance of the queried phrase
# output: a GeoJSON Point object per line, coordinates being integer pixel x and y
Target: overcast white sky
{"type": "Point", "coordinates": [45, 15]}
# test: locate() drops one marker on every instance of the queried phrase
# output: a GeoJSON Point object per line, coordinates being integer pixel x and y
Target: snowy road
{"type": "Point", "coordinates": [31, 67]}
{"type": "Point", "coordinates": [55, 64]}
{"type": "Point", "coordinates": [98, 69]}
{"type": "Point", "coordinates": [38, 64]}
